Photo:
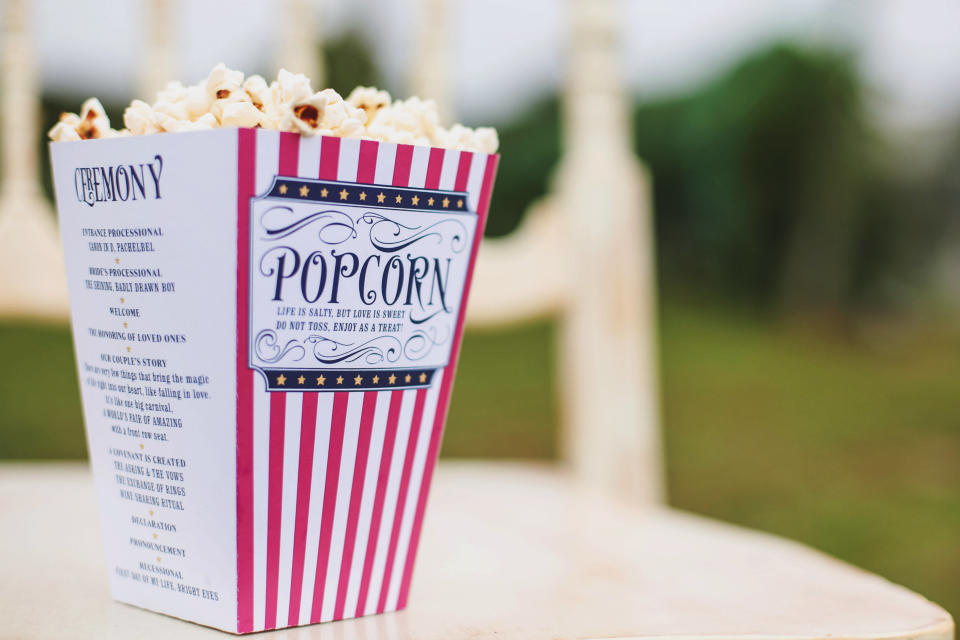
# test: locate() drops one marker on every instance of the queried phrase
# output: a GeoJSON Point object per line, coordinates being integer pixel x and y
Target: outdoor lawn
{"type": "Point", "coordinates": [851, 449]}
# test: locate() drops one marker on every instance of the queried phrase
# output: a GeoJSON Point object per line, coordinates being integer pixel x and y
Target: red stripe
{"type": "Point", "coordinates": [289, 154]}
{"type": "Point", "coordinates": [246, 179]}
{"type": "Point", "coordinates": [434, 169]}
{"type": "Point", "coordinates": [463, 171]}
{"type": "Point", "coordinates": [389, 439]}
{"type": "Point", "coordinates": [356, 494]}
{"type": "Point", "coordinates": [401, 166]}
{"type": "Point", "coordinates": [329, 158]}
{"type": "Point", "coordinates": [308, 428]}
{"type": "Point", "coordinates": [446, 386]}
{"type": "Point", "coordinates": [402, 496]}
{"type": "Point", "coordinates": [334, 453]}
{"type": "Point", "coordinates": [278, 408]}
{"type": "Point", "coordinates": [367, 162]}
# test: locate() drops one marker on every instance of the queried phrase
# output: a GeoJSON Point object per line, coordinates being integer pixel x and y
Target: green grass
{"type": "Point", "coordinates": [40, 415]}
{"type": "Point", "coordinates": [502, 404]}
{"type": "Point", "coordinates": [853, 450]}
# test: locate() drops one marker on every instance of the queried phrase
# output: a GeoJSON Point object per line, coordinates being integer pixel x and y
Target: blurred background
{"type": "Point", "coordinates": [805, 166]}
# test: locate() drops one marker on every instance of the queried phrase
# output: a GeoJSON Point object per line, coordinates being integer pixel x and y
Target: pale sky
{"type": "Point", "coordinates": [507, 52]}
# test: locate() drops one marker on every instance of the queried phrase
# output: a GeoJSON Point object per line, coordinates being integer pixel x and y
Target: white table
{"type": "Point", "coordinates": [508, 551]}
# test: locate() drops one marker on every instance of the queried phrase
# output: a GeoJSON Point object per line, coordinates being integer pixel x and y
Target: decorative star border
{"type": "Point", "coordinates": [372, 195]}
{"type": "Point", "coordinates": [347, 379]}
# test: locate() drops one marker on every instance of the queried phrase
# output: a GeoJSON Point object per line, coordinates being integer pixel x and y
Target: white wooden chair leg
{"type": "Point", "coordinates": [607, 354]}
{"type": "Point", "coordinates": [586, 252]}
{"type": "Point", "coordinates": [32, 277]}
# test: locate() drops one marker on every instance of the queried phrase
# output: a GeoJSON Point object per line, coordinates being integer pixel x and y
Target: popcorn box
{"type": "Point", "coordinates": [266, 331]}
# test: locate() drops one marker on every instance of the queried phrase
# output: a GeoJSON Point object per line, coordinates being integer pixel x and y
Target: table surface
{"type": "Point", "coordinates": [508, 550]}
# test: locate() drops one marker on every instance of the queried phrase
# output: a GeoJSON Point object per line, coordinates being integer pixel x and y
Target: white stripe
{"type": "Point", "coordinates": [386, 156]}
{"type": "Point", "coordinates": [390, 500]}
{"type": "Point", "coordinates": [267, 161]}
{"type": "Point", "coordinates": [268, 154]}
{"type": "Point", "coordinates": [308, 162]}
{"type": "Point", "coordinates": [366, 504]}
{"type": "Point", "coordinates": [349, 160]}
{"type": "Point", "coordinates": [418, 166]}
{"type": "Point", "coordinates": [413, 491]}
{"type": "Point", "coordinates": [291, 464]}
{"type": "Point", "coordinates": [475, 179]}
{"type": "Point", "coordinates": [448, 174]}
{"type": "Point", "coordinates": [261, 472]}
{"type": "Point", "coordinates": [344, 486]}
{"type": "Point", "coordinates": [317, 482]}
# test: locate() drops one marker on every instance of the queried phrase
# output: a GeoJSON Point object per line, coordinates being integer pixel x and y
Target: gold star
{"type": "Point", "coordinates": [423, 377]}
{"type": "Point", "coordinates": [320, 380]}
{"type": "Point", "coordinates": [301, 380]}
{"type": "Point", "coordinates": [343, 194]}
{"type": "Point", "coordinates": [376, 379]}
{"type": "Point", "coordinates": [282, 189]}
{"type": "Point", "coordinates": [460, 203]}
{"type": "Point", "coordinates": [363, 195]}
{"type": "Point", "coordinates": [430, 202]}
{"type": "Point", "coordinates": [281, 379]}
{"type": "Point", "coordinates": [406, 378]}
{"type": "Point", "coordinates": [124, 325]}
{"type": "Point", "coordinates": [117, 260]}
{"type": "Point", "coordinates": [446, 202]}
{"type": "Point", "coordinates": [304, 191]}
{"type": "Point", "coordinates": [141, 447]}
{"type": "Point", "coordinates": [121, 300]}
{"type": "Point", "coordinates": [415, 200]}
{"type": "Point", "coordinates": [128, 349]}
{"type": "Point", "coordinates": [392, 378]}
{"type": "Point", "coordinates": [399, 198]}
{"type": "Point", "coordinates": [358, 380]}
{"type": "Point", "coordinates": [381, 197]}
{"type": "Point", "coordinates": [324, 192]}
{"type": "Point", "coordinates": [339, 379]}
{"type": "Point", "coordinates": [151, 512]}
{"type": "Point", "coordinates": [158, 559]}
{"type": "Point", "coordinates": [155, 536]}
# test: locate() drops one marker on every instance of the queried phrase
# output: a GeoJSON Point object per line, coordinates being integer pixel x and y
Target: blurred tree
{"type": "Point", "coordinates": [759, 177]}
{"type": "Point", "coordinates": [913, 228]}
{"type": "Point", "coordinates": [529, 151]}
{"type": "Point", "coordinates": [349, 63]}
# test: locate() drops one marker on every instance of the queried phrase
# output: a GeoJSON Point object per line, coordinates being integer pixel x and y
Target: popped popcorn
{"type": "Point", "coordinates": [257, 90]}
{"type": "Point", "coordinates": [238, 114]}
{"type": "Point", "coordinates": [91, 123]}
{"type": "Point", "coordinates": [411, 121]}
{"type": "Point", "coordinates": [304, 115]}
{"type": "Point", "coordinates": [370, 99]}
{"type": "Point", "coordinates": [487, 139]}
{"type": "Point", "coordinates": [226, 99]}
{"type": "Point", "coordinates": [140, 118]}
{"type": "Point", "coordinates": [66, 129]}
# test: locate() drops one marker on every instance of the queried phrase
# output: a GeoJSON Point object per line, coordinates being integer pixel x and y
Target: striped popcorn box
{"type": "Point", "coordinates": [266, 331]}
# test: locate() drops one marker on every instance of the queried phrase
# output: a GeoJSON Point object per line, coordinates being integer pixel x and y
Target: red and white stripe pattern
{"type": "Point", "coordinates": [332, 486]}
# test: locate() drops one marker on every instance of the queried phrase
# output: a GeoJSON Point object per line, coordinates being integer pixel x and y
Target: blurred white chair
{"type": "Point", "coordinates": [584, 255]}
{"type": "Point", "coordinates": [590, 551]}
{"type": "Point", "coordinates": [33, 282]}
